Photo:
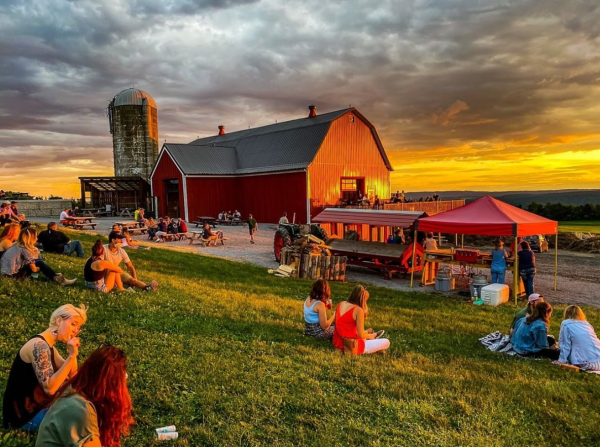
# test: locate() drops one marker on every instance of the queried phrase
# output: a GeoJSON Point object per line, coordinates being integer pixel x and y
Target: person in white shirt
{"type": "Point", "coordinates": [114, 253]}
{"type": "Point", "coordinates": [430, 242]}
{"type": "Point", "coordinates": [284, 220]}
{"type": "Point", "coordinates": [579, 344]}
{"type": "Point", "coordinates": [64, 216]}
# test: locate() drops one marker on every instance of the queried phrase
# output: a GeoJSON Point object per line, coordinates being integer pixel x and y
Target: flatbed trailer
{"type": "Point", "coordinates": [386, 258]}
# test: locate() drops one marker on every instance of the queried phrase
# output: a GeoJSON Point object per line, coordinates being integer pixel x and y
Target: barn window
{"type": "Point", "coordinates": [349, 184]}
{"type": "Point", "coordinates": [351, 118]}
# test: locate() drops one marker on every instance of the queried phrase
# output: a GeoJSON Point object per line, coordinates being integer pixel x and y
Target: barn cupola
{"type": "Point", "coordinates": [221, 129]}
{"type": "Point", "coordinates": [312, 111]}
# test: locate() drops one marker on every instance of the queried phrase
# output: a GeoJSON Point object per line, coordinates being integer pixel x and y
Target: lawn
{"type": "Point", "coordinates": [219, 352]}
{"type": "Point", "coordinates": [591, 226]}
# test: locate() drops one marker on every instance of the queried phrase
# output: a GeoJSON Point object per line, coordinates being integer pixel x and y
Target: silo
{"type": "Point", "coordinates": [133, 121]}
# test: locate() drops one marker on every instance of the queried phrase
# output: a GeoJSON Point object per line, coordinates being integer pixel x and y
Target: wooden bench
{"type": "Point", "coordinates": [82, 225]}
{"type": "Point", "coordinates": [141, 230]}
{"type": "Point", "coordinates": [170, 237]}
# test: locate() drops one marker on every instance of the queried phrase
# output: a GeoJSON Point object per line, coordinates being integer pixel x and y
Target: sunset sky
{"type": "Point", "coordinates": [465, 94]}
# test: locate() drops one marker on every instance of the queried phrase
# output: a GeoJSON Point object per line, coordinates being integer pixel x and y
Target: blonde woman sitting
{"type": "Point", "coordinates": [23, 260]}
{"type": "Point", "coordinates": [579, 344]}
{"type": "Point", "coordinates": [38, 370]}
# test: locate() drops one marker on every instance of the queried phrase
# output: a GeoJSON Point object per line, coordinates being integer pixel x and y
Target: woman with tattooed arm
{"type": "Point", "coordinates": [38, 370]}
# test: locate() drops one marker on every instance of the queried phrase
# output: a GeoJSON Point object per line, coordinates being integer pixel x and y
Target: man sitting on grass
{"type": "Point", "coordinates": [54, 241]}
{"type": "Point", "coordinates": [114, 254]}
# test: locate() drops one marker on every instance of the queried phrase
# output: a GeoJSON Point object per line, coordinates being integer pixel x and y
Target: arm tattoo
{"type": "Point", "coordinates": [41, 361]}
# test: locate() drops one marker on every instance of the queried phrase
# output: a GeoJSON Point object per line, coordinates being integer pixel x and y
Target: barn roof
{"type": "Point", "coordinates": [285, 146]}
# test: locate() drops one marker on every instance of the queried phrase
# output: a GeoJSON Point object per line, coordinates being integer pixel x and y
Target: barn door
{"type": "Point", "coordinates": [172, 196]}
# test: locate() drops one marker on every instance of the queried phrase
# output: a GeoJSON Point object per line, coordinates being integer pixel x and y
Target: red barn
{"type": "Point", "coordinates": [298, 166]}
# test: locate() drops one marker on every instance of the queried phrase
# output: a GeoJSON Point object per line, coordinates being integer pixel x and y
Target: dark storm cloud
{"type": "Point", "coordinates": [428, 74]}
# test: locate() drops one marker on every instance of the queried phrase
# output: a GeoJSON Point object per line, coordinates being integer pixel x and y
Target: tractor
{"type": "Point", "coordinates": [286, 234]}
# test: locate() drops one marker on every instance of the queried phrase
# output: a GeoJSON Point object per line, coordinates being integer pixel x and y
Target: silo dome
{"type": "Point", "coordinates": [134, 97]}
{"type": "Point", "coordinates": [133, 122]}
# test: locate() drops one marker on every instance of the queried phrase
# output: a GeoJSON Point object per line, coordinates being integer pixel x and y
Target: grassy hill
{"type": "Point", "coordinates": [523, 198]}
{"type": "Point", "coordinates": [219, 351]}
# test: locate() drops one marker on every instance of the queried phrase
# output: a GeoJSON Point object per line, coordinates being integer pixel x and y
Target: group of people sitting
{"type": "Point", "coordinates": [346, 327]}
{"type": "Point", "coordinates": [400, 197]}
{"type": "Point", "coordinates": [158, 231]}
{"type": "Point", "coordinates": [68, 404]}
{"type": "Point", "coordinates": [577, 344]}
{"type": "Point", "coordinates": [20, 257]}
{"type": "Point", "coordinates": [9, 213]}
{"type": "Point", "coordinates": [229, 216]}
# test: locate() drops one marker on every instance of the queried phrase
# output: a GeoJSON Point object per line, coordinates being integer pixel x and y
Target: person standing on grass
{"type": "Point", "coordinates": [99, 274]}
{"type": "Point", "coordinates": [54, 241]}
{"type": "Point", "coordinates": [530, 338]}
{"type": "Point", "coordinates": [349, 324]}
{"type": "Point", "coordinates": [316, 323]}
{"type": "Point", "coordinates": [38, 370]}
{"type": "Point", "coordinates": [526, 267]}
{"type": "Point", "coordinates": [114, 253]}
{"type": "Point", "coordinates": [498, 267]}
{"type": "Point", "coordinates": [579, 344]}
{"type": "Point", "coordinates": [93, 409]}
{"type": "Point", "coordinates": [23, 260]}
{"type": "Point", "coordinates": [9, 236]}
{"type": "Point", "coordinates": [252, 227]}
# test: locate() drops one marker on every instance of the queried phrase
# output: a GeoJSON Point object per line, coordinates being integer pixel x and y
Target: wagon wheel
{"type": "Point", "coordinates": [282, 239]}
{"type": "Point", "coordinates": [319, 232]}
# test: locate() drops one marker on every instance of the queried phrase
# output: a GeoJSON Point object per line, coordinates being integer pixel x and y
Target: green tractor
{"type": "Point", "coordinates": [286, 234]}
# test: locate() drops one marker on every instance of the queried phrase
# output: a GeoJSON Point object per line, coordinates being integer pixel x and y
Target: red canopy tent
{"type": "Point", "coordinates": [490, 217]}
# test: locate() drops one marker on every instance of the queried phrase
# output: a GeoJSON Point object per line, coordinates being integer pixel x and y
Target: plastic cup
{"type": "Point", "coordinates": [168, 436]}
{"type": "Point", "coordinates": [170, 428]}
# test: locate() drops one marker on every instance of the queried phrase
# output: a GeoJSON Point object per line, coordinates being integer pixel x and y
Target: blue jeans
{"type": "Point", "coordinates": [74, 246]}
{"type": "Point", "coordinates": [35, 423]}
{"type": "Point", "coordinates": [498, 277]}
{"type": "Point", "coordinates": [527, 277]}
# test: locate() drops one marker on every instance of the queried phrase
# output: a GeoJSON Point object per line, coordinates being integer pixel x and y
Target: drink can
{"type": "Point", "coordinates": [168, 436]}
{"type": "Point", "coordinates": [168, 429]}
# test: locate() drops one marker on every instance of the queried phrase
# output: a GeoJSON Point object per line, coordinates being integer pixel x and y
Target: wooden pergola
{"type": "Point", "coordinates": [120, 192]}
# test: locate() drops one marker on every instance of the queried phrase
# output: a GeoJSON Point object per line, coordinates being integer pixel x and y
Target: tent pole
{"type": "Point", "coordinates": [462, 241]}
{"type": "Point", "coordinates": [555, 260]}
{"type": "Point", "coordinates": [516, 272]}
{"type": "Point", "coordinates": [412, 266]}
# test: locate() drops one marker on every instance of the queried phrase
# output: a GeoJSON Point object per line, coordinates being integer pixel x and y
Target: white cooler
{"type": "Point", "coordinates": [495, 294]}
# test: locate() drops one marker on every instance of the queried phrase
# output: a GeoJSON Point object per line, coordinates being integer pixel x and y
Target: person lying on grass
{"type": "Point", "coordinates": [131, 243]}
{"type": "Point", "coordinates": [349, 324]}
{"type": "Point", "coordinates": [316, 323]}
{"type": "Point", "coordinates": [55, 241]}
{"type": "Point", "coordinates": [23, 260]}
{"type": "Point", "coordinates": [9, 236]}
{"type": "Point", "coordinates": [579, 344]}
{"type": "Point", "coordinates": [530, 337]}
{"type": "Point", "coordinates": [93, 409]}
{"type": "Point", "coordinates": [99, 274]}
{"type": "Point", "coordinates": [114, 253]}
{"type": "Point", "coordinates": [38, 370]}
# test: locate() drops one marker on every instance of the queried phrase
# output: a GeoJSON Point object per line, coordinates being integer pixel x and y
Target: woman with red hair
{"type": "Point", "coordinates": [94, 409]}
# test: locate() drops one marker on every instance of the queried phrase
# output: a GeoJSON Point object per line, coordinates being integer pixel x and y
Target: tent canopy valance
{"type": "Point", "coordinates": [487, 216]}
{"type": "Point", "coordinates": [376, 218]}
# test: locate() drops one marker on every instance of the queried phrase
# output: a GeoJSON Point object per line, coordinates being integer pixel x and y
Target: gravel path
{"type": "Point", "coordinates": [578, 273]}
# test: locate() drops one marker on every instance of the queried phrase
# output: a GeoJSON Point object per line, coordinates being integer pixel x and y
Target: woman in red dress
{"type": "Point", "coordinates": [350, 321]}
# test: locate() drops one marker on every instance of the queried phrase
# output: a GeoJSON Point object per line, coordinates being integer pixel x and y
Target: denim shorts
{"type": "Point", "coordinates": [99, 285]}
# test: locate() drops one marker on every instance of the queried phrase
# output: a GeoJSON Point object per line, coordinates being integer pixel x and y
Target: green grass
{"type": "Point", "coordinates": [591, 226]}
{"type": "Point", "coordinates": [219, 352]}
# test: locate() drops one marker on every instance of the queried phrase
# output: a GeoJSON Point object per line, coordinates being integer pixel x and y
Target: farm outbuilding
{"type": "Point", "coordinates": [299, 167]}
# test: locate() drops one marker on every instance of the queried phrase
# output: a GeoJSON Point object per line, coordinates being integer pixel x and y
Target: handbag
{"type": "Point", "coordinates": [350, 345]}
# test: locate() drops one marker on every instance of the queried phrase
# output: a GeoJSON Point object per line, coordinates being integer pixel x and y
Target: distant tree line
{"type": "Point", "coordinates": [558, 211]}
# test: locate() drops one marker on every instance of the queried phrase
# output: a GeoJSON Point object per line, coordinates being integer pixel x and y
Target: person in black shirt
{"type": "Point", "coordinates": [54, 241]}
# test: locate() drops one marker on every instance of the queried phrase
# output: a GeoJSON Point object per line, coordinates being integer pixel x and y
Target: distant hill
{"type": "Point", "coordinates": [522, 198]}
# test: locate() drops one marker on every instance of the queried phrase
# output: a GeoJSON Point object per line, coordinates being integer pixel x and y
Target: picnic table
{"type": "Point", "coordinates": [132, 226]}
{"type": "Point", "coordinates": [203, 220]}
{"type": "Point", "coordinates": [197, 236]}
{"type": "Point", "coordinates": [125, 211]}
{"type": "Point", "coordinates": [78, 223]}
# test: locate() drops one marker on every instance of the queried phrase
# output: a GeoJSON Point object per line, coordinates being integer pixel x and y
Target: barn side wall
{"type": "Point", "coordinates": [208, 196]}
{"type": "Point", "coordinates": [166, 169]}
{"type": "Point", "coordinates": [348, 150]}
